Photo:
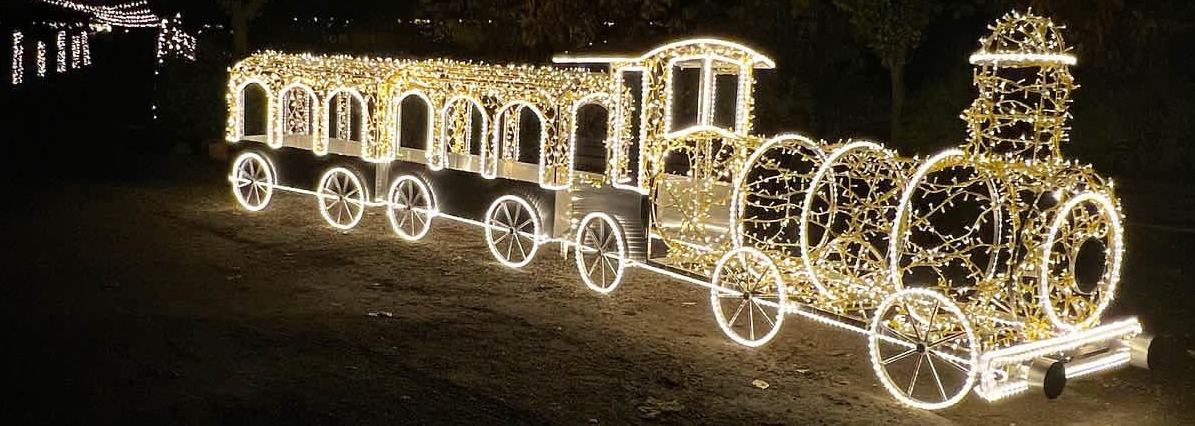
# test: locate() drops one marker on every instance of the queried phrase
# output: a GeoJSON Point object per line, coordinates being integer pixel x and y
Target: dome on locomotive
{"type": "Point", "coordinates": [1023, 40]}
{"type": "Point", "coordinates": [1024, 84]}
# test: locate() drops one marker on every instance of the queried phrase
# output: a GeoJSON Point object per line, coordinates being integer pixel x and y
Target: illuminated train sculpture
{"type": "Point", "coordinates": [987, 267]}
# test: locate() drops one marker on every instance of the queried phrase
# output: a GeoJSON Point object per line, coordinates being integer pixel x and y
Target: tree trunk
{"type": "Point", "coordinates": [240, 32]}
{"type": "Point", "coordinates": [896, 74]}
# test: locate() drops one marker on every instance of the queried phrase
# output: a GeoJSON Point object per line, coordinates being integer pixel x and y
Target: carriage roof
{"type": "Point", "coordinates": [368, 74]}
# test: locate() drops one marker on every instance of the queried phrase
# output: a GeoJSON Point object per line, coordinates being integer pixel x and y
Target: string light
{"type": "Point", "coordinates": [18, 58]}
{"type": "Point", "coordinates": [41, 59]}
{"type": "Point", "coordinates": [60, 42]}
{"type": "Point", "coordinates": [76, 51]}
{"type": "Point", "coordinates": [846, 233]}
{"type": "Point", "coordinates": [132, 14]}
{"type": "Point", "coordinates": [173, 42]}
{"type": "Point", "coordinates": [85, 42]}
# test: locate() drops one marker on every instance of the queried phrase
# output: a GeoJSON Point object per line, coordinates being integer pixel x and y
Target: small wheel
{"type": "Point", "coordinates": [341, 198]}
{"type": "Point", "coordinates": [600, 252]}
{"type": "Point", "coordinates": [748, 296]}
{"type": "Point", "coordinates": [252, 181]}
{"type": "Point", "coordinates": [410, 208]}
{"type": "Point", "coordinates": [923, 349]}
{"type": "Point", "coordinates": [512, 231]}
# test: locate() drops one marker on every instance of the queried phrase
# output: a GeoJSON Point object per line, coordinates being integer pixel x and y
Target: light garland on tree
{"type": "Point", "coordinates": [85, 42]}
{"type": "Point", "coordinates": [173, 42]}
{"type": "Point", "coordinates": [60, 59]}
{"type": "Point", "coordinates": [41, 59]}
{"type": "Point", "coordinates": [962, 269]}
{"type": "Point", "coordinates": [76, 51]}
{"type": "Point", "coordinates": [18, 58]}
{"type": "Point", "coordinates": [132, 14]}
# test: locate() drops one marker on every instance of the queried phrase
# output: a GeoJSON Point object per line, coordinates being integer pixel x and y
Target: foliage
{"type": "Point", "coordinates": [889, 28]}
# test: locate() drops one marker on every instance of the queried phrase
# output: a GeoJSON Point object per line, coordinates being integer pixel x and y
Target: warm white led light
{"type": "Point", "coordinates": [411, 207]}
{"type": "Point", "coordinates": [981, 58]}
{"type": "Point", "coordinates": [253, 181]}
{"type": "Point", "coordinates": [18, 58]}
{"type": "Point", "coordinates": [174, 42]}
{"type": "Point", "coordinates": [750, 278]}
{"type": "Point", "coordinates": [600, 252]}
{"type": "Point", "coordinates": [772, 226]}
{"type": "Point", "coordinates": [60, 57]}
{"type": "Point", "coordinates": [132, 14]}
{"type": "Point", "coordinates": [956, 330]}
{"type": "Point", "coordinates": [513, 231]}
{"type": "Point", "coordinates": [41, 59]}
{"type": "Point", "coordinates": [1106, 287]}
{"type": "Point", "coordinates": [341, 198]}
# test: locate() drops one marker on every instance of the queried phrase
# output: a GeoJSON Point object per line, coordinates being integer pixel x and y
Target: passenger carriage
{"type": "Point", "coordinates": [986, 267]}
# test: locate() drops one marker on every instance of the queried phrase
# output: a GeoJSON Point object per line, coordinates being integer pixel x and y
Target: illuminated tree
{"type": "Point", "coordinates": [891, 29]}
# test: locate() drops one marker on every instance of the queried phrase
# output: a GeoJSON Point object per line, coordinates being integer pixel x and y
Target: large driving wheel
{"type": "Point", "coordinates": [748, 296]}
{"type": "Point", "coordinates": [601, 252]}
{"type": "Point", "coordinates": [252, 181]}
{"type": "Point", "coordinates": [512, 231]}
{"type": "Point", "coordinates": [923, 349]}
{"type": "Point", "coordinates": [341, 198]}
{"type": "Point", "coordinates": [411, 207]}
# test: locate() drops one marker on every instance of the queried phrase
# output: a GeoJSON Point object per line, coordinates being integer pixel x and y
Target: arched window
{"type": "Point", "coordinates": [464, 126]}
{"type": "Point", "coordinates": [298, 104]}
{"type": "Point", "coordinates": [414, 122]}
{"type": "Point", "coordinates": [592, 150]}
{"type": "Point", "coordinates": [530, 136]}
{"type": "Point", "coordinates": [254, 112]}
{"type": "Point", "coordinates": [346, 118]}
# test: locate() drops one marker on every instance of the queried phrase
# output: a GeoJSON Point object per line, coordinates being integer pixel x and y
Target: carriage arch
{"type": "Point", "coordinates": [252, 111]}
{"type": "Point", "coordinates": [345, 123]}
{"type": "Point", "coordinates": [297, 107]}
{"type": "Point", "coordinates": [413, 122]}
{"type": "Point", "coordinates": [462, 129]}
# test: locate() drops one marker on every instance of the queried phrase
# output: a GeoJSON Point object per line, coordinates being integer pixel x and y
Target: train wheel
{"type": "Point", "coordinates": [410, 208]}
{"type": "Point", "coordinates": [253, 181]}
{"type": "Point", "coordinates": [601, 252]}
{"type": "Point", "coordinates": [1080, 262]}
{"type": "Point", "coordinates": [748, 296]}
{"type": "Point", "coordinates": [923, 349]}
{"type": "Point", "coordinates": [512, 231]}
{"type": "Point", "coordinates": [341, 198]}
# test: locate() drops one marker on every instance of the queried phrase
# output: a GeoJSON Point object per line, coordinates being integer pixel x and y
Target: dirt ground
{"type": "Point", "coordinates": [149, 297]}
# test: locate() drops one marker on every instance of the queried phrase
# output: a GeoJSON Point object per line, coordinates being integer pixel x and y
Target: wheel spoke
{"type": "Point", "coordinates": [751, 319]}
{"type": "Point", "coordinates": [609, 264]}
{"type": "Point", "coordinates": [912, 322]}
{"type": "Point", "coordinates": [951, 362]}
{"type": "Point", "coordinates": [898, 357]}
{"type": "Point", "coordinates": [900, 334]}
{"type": "Point", "coordinates": [506, 213]}
{"type": "Point", "coordinates": [596, 262]}
{"type": "Point", "coordinates": [937, 378]}
{"type": "Point", "coordinates": [766, 316]}
{"type": "Point", "coordinates": [929, 327]}
{"type": "Point", "coordinates": [505, 235]}
{"type": "Point", "coordinates": [510, 244]}
{"type": "Point", "coordinates": [522, 250]}
{"type": "Point", "coordinates": [734, 318]}
{"type": "Point", "coordinates": [916, 373]}
{"type": "Point", "coordinates": [946, 339]}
